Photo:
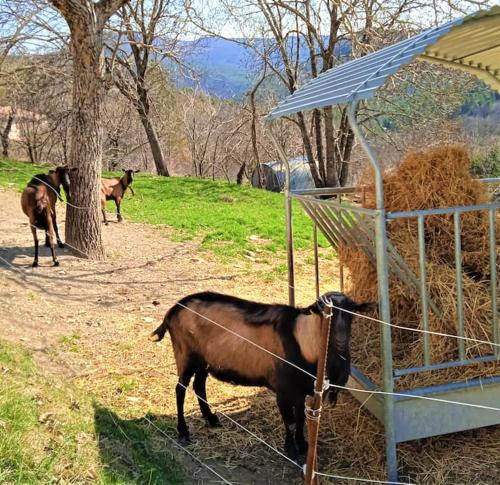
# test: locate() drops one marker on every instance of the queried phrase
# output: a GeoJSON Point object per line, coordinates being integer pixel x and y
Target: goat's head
{"type": "Point", "coordinates": [130, 174]}
{"type": "Point", "coordinates": [62, 174]}
{"type": "Point", "coordinates": [343, 310]}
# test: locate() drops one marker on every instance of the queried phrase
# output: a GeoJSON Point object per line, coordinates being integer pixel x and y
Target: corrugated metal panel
{"type": "Point", "coordinates": [470, 43]}
{"type": "Point", "coordinates": [300, 174]}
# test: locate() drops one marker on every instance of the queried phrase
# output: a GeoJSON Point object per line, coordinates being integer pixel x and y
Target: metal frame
{"type": "Point", "coordinates": [403, 418]}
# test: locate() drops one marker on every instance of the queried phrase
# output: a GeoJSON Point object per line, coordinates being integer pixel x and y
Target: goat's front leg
{"type": "Point", "coordinates": [299, 426]}
{"type": "Point", "coordinates": [286, 410]}
{"type": "Point", "coordinates": [103, 210]}
{"type": "Point", "coordinates": [118, 214]}
{"type": "Point", "coordinates": [56, 229]}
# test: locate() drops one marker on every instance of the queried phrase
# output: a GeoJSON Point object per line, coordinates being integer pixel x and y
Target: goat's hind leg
{"type": "Point", "coordinates": [35, 239]}
{"type": "Point", "coordinates": [60, 244]}
{"type": "Point", "coordinates": [52, 237]}
{"type": "Point", "coordinates": [199, 386]}
{"type": "Point", "coordinates": [180, 394]}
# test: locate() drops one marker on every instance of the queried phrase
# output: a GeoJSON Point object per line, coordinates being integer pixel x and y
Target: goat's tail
{"type": "Point", "coordinates": [160, 332]}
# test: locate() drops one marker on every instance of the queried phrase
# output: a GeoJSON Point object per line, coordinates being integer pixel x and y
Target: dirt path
{"type": "Point", "coordinates": [89, 321]}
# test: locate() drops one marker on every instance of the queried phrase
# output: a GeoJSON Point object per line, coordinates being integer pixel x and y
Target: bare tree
{"type": "Point", "coordinates": [297, 40]}
{"type": "Point", "coordinates": [86, 20]}
{"type": "Point", "coordinates": [5, 133]}
{"type": "Point", "coordinates": [151, 30]}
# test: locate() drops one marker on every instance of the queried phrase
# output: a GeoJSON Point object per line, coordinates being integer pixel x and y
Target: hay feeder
{"type": "Point", "coordinates": [470, 44]}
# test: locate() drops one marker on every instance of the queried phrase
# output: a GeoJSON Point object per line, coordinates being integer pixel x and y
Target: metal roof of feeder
{"type": "Point", "coordinates": [471, 44]}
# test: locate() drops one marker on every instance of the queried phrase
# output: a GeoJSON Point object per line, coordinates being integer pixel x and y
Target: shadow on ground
{"type": "Point", "coordinates": [134, 451]}
{"type": "Point", "coordinates": [145, 450]}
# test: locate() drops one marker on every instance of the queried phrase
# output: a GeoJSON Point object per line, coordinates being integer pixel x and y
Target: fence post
{"type": "Point", "coordinates": [313, 403]}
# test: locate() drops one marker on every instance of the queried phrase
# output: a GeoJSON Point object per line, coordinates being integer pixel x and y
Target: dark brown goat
{"type": "Point", "coordinates": [114, 189]}
{"type": "Point", "coordinates": [38, 202]}
{"type": "Point", "coordinates": [202, 347]}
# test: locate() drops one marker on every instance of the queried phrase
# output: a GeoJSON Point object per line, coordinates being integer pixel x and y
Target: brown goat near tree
{"type": "Point", "coordinates": [114, 189]}
{"type": "Point", "coordinates": [38, 202]}
{"type": "Point", "coordinates": [202, 347]}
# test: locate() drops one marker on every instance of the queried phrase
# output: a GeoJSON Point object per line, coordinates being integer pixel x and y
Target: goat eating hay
{"type": "Point", "coordinates": [213, 334]}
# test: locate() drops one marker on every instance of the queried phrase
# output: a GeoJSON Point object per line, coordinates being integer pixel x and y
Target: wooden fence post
{"type": "Point", "coordinates": [313, 403]}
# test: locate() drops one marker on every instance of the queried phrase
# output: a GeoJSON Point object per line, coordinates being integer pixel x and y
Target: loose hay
{"type": "Point", "coordinates": [435, 178]}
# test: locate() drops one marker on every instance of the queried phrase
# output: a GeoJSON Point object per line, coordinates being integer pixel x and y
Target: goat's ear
{"type": "Point", "coordinates": [52, 171]}
{"type": "Point", "coordinates": [136, 171]}
{"type": "Point", "coordinates": [74, 169]}
{"type": "Point", "coordinates": [123, 170]}
{"type": "Point", "coordinates": [365, 307]}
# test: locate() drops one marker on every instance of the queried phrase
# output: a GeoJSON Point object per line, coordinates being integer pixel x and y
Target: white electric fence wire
{"type": "Point", "coordinates": [238, 424]}
{"type": "Point", "coordinates": [48, 185]}
{"type": "Point", "coordinates": [311, 375]}
{"type": "Point", "coordinates": [411, 329]}
{"type": "Point", "coordinates": [419, 330]}
{"type": "Point", "coordinates": [271, 447]}
{"type": "Point", "coordinates": [192, 455]}
{"type": "Point", "coordinates": [479, 406]}
{"type": "Point", "coordinates": [247, 340]}
{"type": "Point", "coordinates": [79, 251]}
{"type": "Point", "coordinates": [244, 428]}
{"type": "Point", "coordinates": [401, 327]}
{"type": "Point", "coordinates": [415, 396]}
{"type": "Point", "coordinates": [346, 388]}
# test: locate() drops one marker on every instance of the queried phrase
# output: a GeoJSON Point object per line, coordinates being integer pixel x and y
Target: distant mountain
{"type": "Point", "coordinates": [224, 67]}
{"type": "Point", "coordinates": [221, 67]}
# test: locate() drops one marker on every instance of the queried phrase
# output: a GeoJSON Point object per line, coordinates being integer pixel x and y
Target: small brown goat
{"type": "Point", "coordinates": [114, 189]}
{"type": "Point", "coordinates": [38, 202]}
{"type": "Point", "coordinates": [202, 347]}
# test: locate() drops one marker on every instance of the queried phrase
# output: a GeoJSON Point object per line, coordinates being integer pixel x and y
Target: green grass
{"type": "Point", "coordinates": [51, 432]}
{"type": "Point", "coordinates": [71, 342]}
{"type": "Point", "coordinates": [223, 215]}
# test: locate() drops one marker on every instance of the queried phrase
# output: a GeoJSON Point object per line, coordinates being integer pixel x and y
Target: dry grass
{"type": "Point", "coordinates": [435, 178]}
{"type": "Point", "coordinates": [108, 305]}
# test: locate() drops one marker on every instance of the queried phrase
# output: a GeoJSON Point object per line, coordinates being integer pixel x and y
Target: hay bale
{"type": "Point", "coordinates": [434, 178]}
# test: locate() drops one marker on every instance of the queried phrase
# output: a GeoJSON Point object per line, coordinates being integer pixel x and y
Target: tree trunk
{"type": "Point", "coordinates": [309, 151]}
{"type": "Point", "coordinates": [332, 179]}
{"type": "Point", "coordinates": [241, 172]}
{"type": "Point", "coordinates": [5, 135]}
{"type": "Point", "coordinates": [86, 20]}
{"type": "Point", "coordinates": [83, 223]}
{"type": "Point", "coordinates": [154, 143]}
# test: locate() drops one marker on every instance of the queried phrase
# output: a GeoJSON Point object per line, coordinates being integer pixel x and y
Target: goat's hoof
{"type": "Point", "coordinates": [56, 263]}
{"type": "Point", "coordinates": [213, 421]}
{"type": "Point", "coordinates": [35, 264]}
{"type": "Point", "coordinates": [61, 245]}
{"type": "Point", "coordinates": [184, 440]}
{"type": "Point", "coordinates": [120, 219]}
{"type": "Point", "coordinates": [47, 244]}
